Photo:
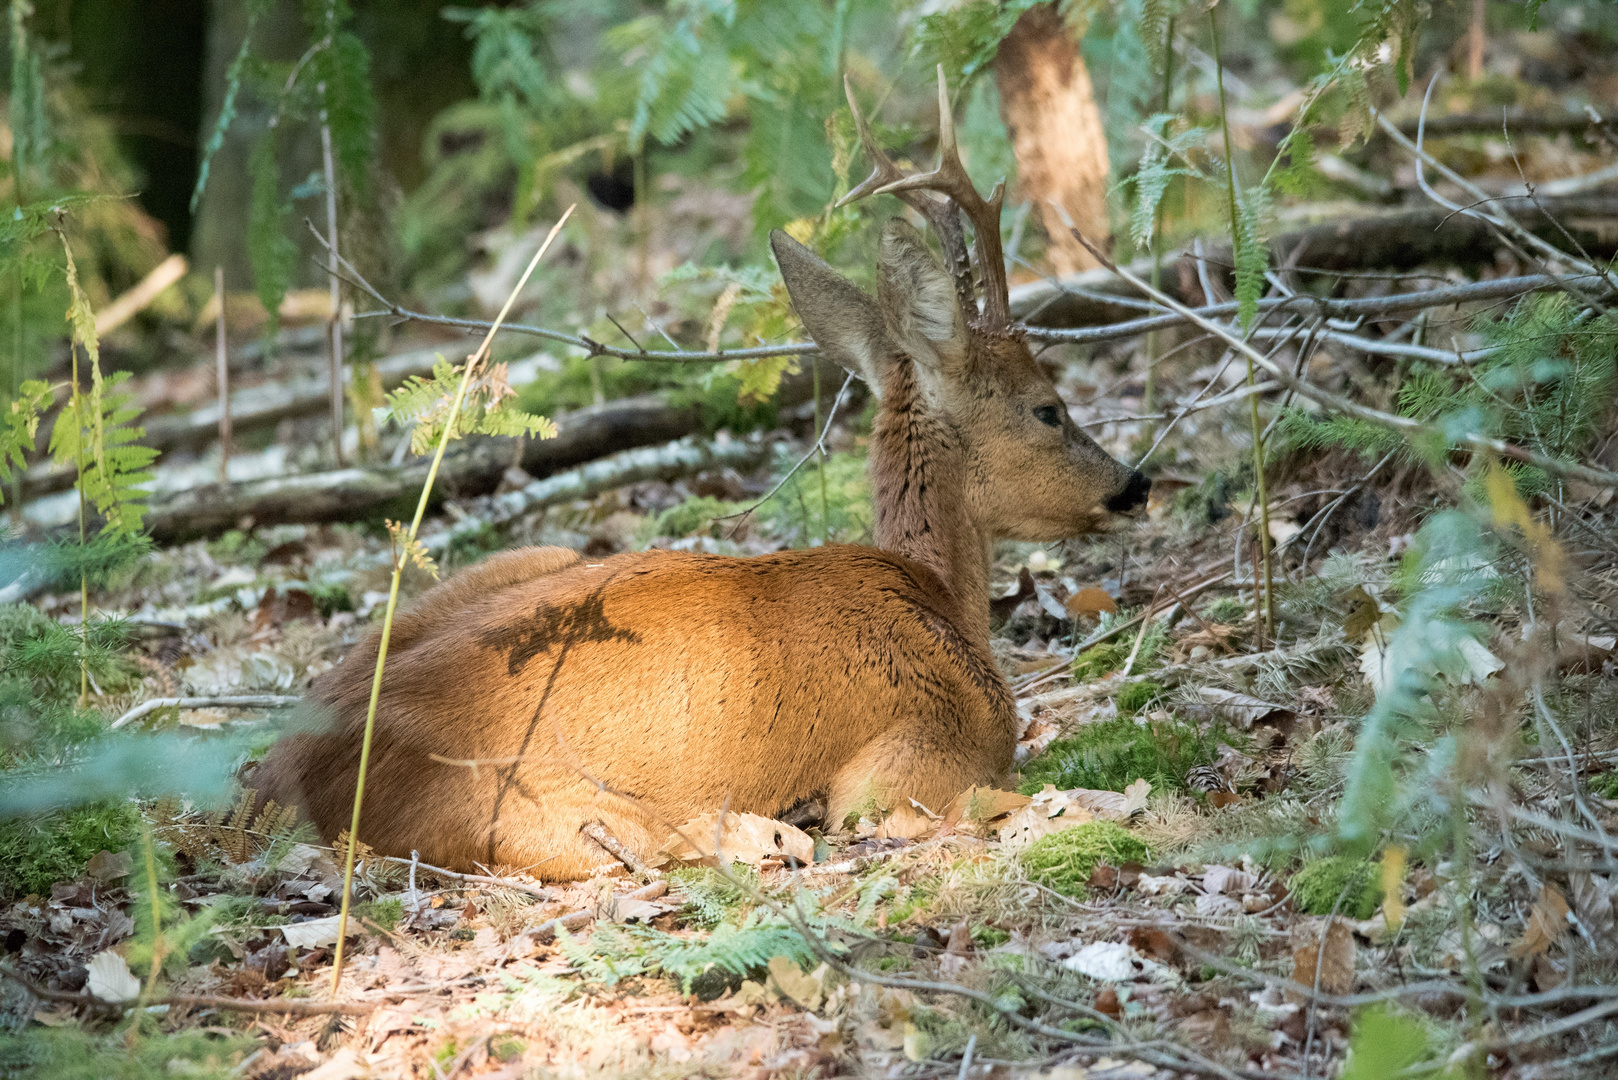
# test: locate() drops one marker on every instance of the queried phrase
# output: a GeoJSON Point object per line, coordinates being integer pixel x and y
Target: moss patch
{"type": "Point", "coordinates": [1316, 887]}
{"type": "Point", "coordinates": [1064, 860]}
{"type": "Point", "coordinates": [1137, 696]}
{"type": "Point", "coordinates": [37, 853]}
{"type": "Point", "coordinates": [1111, 754]}
{"type": "Point", "coordinates": [694, 515]}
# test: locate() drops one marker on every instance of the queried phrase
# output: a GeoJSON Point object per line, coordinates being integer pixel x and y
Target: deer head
{"type": "Point", "coordinates": [952, 368]}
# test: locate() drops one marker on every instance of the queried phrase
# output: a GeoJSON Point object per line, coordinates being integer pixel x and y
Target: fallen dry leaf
{"type": "Point", "coordinates": [746, 838]}
{"type": "Point", "coordinates": [1547, 922]}
{"type": "Point", "coordinates": [984, 804]}
{"type": "Point", "coordinates": [1331, 957]}
{"type": "Point", "coordinates": [1090, 602]}
{"type": "Point", "coordinates": [1225, 879]}
{"type": "Point", "coordinates": [110, 979]}
{"type": "Point", "coordinates": [1243, 710]}
{"type": "Point", "coordinates": [907, 823]}
{"type": "Point", "coordinates": [1594, 901]}
{"type": "Point", "coordinates": [787, 980]}
{"type": "Point", "coordinates": [1106, 1003]}
{"type": "Point", "coordinates": [106, 867]}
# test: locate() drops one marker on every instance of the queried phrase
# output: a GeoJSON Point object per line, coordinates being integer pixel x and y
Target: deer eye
{"type": "Point", "coordinates": [1048, 414]}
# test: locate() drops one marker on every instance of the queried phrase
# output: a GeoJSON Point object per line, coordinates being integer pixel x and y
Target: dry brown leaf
{"type": "Point", "coordinates": [1225, 879]}
{"type": "Point", "coordinates": [983, 804]}
{"type": "Point", "coordinates": [1090, 602]}
{"type": "Point", "coordinates": [1331, 957]}
{"type": "Point", "coordinates": [1593, 900]}
{"type": "Point", "coordinates": [1243, 710]}
{"type": "Point", "coordinates": [788, 981]}
{"type": "Point", "coordinates": [106, 867]}
{"type": "Point", "coordinates": [1547, 922]}
{"type": "Point", "coordinates": [1052, 811]}
{"type": "Point", "coordinates": [746, 838]}
{"type": "Point", "coordinates": [907, 823]}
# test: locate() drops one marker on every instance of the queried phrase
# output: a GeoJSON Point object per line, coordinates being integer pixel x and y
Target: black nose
{"type": "Point", "coordinates": [1133, 497]}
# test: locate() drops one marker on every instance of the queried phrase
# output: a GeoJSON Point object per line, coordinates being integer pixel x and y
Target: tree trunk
{"type": "Point", "coordinates": [1050, 111]}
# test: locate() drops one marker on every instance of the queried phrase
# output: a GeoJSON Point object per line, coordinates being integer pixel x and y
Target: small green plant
{"type": "Point", "coordinates": [1137, 696]}
{"type": "Point", "coordinates": [1384, 1044]}
{"type": "Point", "coordinates": [1317, 888]}
{"type": "Point", "coordinates": [1226, 609]}
{"type": "Point", "coordinates": [1099, 661]}
{"type": "Point", "coordinates": [1605, 784]}
{"type": "Point", "coordinates": [37, 852]}
{"type": "Point", "coordinates": [1109, 755]}
{"type": "Point", "coordinates": [700, 513]}
{"type": "Point", "coordinates": [1064, 860]}
{"type": "Point", "coordinates": [709, 896]}
{"type": "Point", "coordinates": [798, 512]}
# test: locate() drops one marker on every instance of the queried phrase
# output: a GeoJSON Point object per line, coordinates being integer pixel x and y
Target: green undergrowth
{"type": "Point", "coordinates": [36, 853]}
{"type": "Point", "coordinates": [1102, 660]}
{"type": "Point", "coordinates": [74, 1053]}
{"type": "Point", "coordinates": [700, 513]}
{"type": "Point", "coordinates": [1316, 888]}
{"type": "Point", "coordinates": [708, 896]}
{"type": "Point", "coordinates": [1064, 860]}
{"type": "Point", "coordinates": [1109, 755]}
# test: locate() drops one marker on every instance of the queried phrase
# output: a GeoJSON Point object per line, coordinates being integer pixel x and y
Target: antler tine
{"type": "Point", "coordinates": [940, 213]}
{"type": "Point", "coordinates": [950, 179]}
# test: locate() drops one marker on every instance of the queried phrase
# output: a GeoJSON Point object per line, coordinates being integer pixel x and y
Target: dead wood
{"type": "Point", "coordinates": [1050, 112]}
{"type": "Point", "coordinates": [1396, 240]}
{"type": "Point", "coordinates": [358, 494]}
{"type": "Point", "coordinates": [475, 467]}
{"type": "Point", "coordinates": [546, 931]}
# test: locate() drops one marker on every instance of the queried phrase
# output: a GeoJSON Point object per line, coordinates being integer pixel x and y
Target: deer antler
{"type": "Point", "coordinates": [949, 179]}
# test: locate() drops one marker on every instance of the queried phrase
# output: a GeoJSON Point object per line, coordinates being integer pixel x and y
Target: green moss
{"type": "Point", "coordinates": [1316, 887]}
{"type": "Point", "coordinates": [1137, 696]}
{"type": "Point", "coordinates": [1226, 609]}
{"type": "Point", "coordinates": [72, 1053]}
{"type": "Point", "coordinates": [1111, 754]}
{"type": "Point", "coordinates": [36, 853]}
{"type": "Point", "coordinates": [330, 596]}
{"type": "Point", "coordinates": [1605, 785]}
{"type": "Point", "coordinates": [384, 913]}
{"type": "Point", "coordinates": [697, 514]}
{"type": "Point", "coordinates": [1102, 660]}
{"type": "Point", "coordinates": [1064, 860]}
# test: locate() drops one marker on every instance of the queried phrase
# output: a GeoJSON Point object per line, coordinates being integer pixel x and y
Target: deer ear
{"type": "Point", "coordinates": [916, 296]}
{"type": "Point", "coordinates": [842, 319]}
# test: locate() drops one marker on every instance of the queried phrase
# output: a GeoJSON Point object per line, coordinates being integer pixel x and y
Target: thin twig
{"type": "Point", "coordinates": [217, 701]}
{"type": "Point", "coordinates": [1405, 425]}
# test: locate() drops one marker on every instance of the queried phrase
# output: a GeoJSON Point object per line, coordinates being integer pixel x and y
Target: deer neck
{"type": "Point", "coordinates": [917, 466]}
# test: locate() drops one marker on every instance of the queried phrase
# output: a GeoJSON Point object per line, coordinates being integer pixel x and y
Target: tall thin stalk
{"type": "Point", "coordinates": [400, 559]}
{"type": "Point", "coordinates": [1149, 396]}
{"type": "Point", "coordinates": [222, 358]}
{"type": "Point", "coordinates": [1252, 399]}
{"type": "Point", "coordinates": [334, 328]}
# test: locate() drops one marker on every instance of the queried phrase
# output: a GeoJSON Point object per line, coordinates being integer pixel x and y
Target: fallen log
{"type": "Point", "coordinates": [1396, 240]}
{"type": "Point", "coordinates": [475, 467]}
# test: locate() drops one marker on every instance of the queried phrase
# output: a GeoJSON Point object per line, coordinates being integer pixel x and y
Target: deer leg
{"type": "Point", "coordinates": [900, 766]}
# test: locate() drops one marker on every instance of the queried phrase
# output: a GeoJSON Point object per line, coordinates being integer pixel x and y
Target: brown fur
{"type": "Point", "coordinates": [686, 681]}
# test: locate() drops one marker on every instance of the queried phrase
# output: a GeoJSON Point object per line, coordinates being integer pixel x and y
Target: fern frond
{"type": "Point", "coordinates": [19, 426]}
{"type": "Point", "coordinates": [1252, 251]}
{"type": "Point", "coordinates": [269, 250]}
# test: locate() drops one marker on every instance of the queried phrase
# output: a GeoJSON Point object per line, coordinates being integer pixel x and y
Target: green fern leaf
{"type": "Point", "coordinates": [20, 427]}
{"type": "Point", "coordinates": [1252, 251]}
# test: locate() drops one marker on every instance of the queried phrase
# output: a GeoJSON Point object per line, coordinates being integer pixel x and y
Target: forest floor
{"type": "Point", "coordinates": [1133, 929]}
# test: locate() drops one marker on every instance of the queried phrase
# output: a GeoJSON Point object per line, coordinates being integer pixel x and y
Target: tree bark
{"type": "Point", "coordinates": [475, 467]}
{"type": "Point", "coordinates": [1050, 111]}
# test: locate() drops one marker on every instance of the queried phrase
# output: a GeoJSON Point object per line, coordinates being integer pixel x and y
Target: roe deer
{"type": "Point", "coordinates": [857, 675]}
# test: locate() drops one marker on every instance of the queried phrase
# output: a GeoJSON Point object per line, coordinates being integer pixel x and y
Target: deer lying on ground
{"type": "Point", "coordinates": [860, 676]}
